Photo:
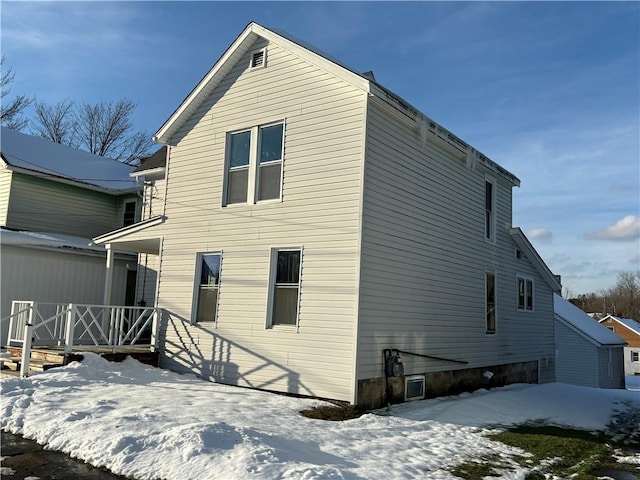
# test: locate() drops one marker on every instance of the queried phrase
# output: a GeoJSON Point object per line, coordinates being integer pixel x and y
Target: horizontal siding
{"type": "Point", "coordinates": [319, 211]}
{"type": "Point", "coordinates": [41, 205]}
{"type": "Point", "coordinates": [610, 367]}
{"type": "Point", "coordinates": [424, 259]}
{"type": "Point", "coordinates": [576, 358]}
{"type": "Point", "coordinates": [5, 188]}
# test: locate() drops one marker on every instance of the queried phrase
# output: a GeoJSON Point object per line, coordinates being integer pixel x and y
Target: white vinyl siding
{"type": "Point", "coordinates": [577, 358]}
{"type": "Point", "coordinates": [319, 209]}
{"type": "Point", "coordinates": [5, 188]}
{"type": "Point", "coordinates": [424, 258]}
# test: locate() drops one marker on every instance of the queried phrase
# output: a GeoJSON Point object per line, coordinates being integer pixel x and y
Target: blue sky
{"type": "Point", "coordinates": [550, 91]}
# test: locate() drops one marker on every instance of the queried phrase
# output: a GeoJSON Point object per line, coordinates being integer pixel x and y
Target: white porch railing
{"type": "Point", "coordinates": [70, 324]}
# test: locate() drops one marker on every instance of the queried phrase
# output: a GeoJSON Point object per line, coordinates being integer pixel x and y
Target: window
{"type": "Point", "coordinates": [634, 356]}
{"type": "Point", "coordinates": [254, 164]}
{"type": "Point", "coordinates": [206, 303]}
{"type": "Point", "coordinates": [490, 302]}
{"type": "Point", "coordinates": [258, 59]}
{"type": "Point", "coordinates": [285, 291]}
{"type": "Point", "coordinates": [489, 207]}
{"type": "Point", "coordinates": [129, 213]}
{"type": "Point", "coordinates": [414, 387]}
{"type": "Point", "coordinates": [525, 294]}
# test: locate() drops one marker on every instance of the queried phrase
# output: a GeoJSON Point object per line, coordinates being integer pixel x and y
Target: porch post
{"type": "Point", "coordinates": [108, 279]}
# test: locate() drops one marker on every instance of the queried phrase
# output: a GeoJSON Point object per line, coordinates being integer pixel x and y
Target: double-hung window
{"type": "Point", "coordinates": [489, 211]}
{"type": "Point", "coordinates": [490, 302]}
{"type": "Point", "coordinates": [254, 164]}
{"type": "Point", "coordinates": [208, 285]}
{"type": "Point", "coordinates": [129, 213]}
{"type": "Point", "coordinates": [525, 294]}
{"type": "Point", "coordinates": [285, 286]}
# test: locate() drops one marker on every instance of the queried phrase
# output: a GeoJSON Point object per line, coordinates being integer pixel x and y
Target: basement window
{"type": "Point", "coordinates": [258, 59]}
{"type": "Point", "coordinates": [414, 387]}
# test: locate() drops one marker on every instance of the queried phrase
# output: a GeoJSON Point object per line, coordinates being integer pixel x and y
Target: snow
{"type": "Point", "coordinates": [583, 322]}
{"type": "Point", "coordinates": [44, 239]}
{"type": "Point", "coordinates": [151, 423]}
{"type": "Point", "coordinates": [40, 155]}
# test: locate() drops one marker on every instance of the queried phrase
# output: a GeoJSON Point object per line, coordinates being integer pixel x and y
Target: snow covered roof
{"type": "Point", "coordinates": [37, 156]}
{"type": "Point", "coordinates": [627, 322]}
{"type": "Point", "coordinates": [582, 322]}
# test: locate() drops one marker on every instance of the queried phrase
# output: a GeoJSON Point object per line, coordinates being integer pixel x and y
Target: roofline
{"type": "Point", "coordinates": [586, 336]}
{"type": "Point", "coordinates": [617, 319]}
{"type": "Point", "coordinates": [150, 171]}
{"type": "Point", "coordinates": [70, 181]}
{"type": "Point", "coordinates": [523, 242]}
{"type": "Point", "coordinates": [124, 231]}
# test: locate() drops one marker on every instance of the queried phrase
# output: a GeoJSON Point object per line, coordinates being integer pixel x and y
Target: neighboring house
{"type": "Point", "coordinates": [316, 228]}
{"type": "Point", "coordinates": [629, 330]}
{"type": "Point", "coordinates": [53, 200]}
{"type": "Point", "coordinates": [587, 353]}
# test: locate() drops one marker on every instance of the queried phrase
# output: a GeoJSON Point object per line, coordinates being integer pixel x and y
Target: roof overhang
{"type": "Point", "coordinates": [586, 336]}
{"type": "Point", "coordinates": [134, 238]}
{"type": "Point", "coordinates": [520, 239]}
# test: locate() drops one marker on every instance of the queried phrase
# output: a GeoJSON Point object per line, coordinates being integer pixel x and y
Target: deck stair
{"type": "Point", "coordinates": [41, 359]}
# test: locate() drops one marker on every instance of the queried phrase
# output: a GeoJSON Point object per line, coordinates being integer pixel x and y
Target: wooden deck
{"type": "Point", "coordinates": [45, 357]}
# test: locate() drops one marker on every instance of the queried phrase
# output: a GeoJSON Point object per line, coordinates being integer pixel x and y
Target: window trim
{"type": "Point", "coordinates": [126, 202]}
{"type": "Point", "coordinates": [196, 289]}
{"type": "Point", "coordinates": [273, 264]}
{"type": "Point", "coordinates": [254, 164]}
{"type": "Point", "coordinates": [487, 330]}
{"type": "Point", "coordinates": [635, 356]}
{"type": "Point", "coordinates": [412, 378]}
{"type": "Point", "coordinates": [490, 222]}
{"type": "Point", "coordinates": [529, 303]}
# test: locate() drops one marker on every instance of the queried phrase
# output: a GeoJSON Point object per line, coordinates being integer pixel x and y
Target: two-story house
{"type": "Point", "coordinates": [320, 236]}
{"type": "Point", "coordinates": [53, 200]}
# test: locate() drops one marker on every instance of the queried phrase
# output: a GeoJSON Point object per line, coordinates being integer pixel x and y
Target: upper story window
{"type": "Point", "coordinates": [254, 164]}
{"type": "Point", "coordinates": [129, 213]}
{"type": "Point", "coordinates": [490, 302]}
{"type": "Point", "coordinates": [489, 211]}
{"type": "Point", "coordinates": [208, 279]}
{"type": "Point", "coordinates": [525, 294]}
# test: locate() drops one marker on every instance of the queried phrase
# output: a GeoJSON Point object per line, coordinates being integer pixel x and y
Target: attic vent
{"type": "Point", "coordinates": [518, 253]}
{"type": "Point", "coordinates": [258, 59]}
{"type": "Point", "coordinates": [414, 387]}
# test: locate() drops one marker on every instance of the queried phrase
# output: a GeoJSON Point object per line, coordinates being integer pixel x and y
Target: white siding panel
{"type": "Point", "coordinates": [319, 211]}
{"type": "Point", "coordinates": [5, 188]}
{"type": "Point", "coordinates": [576, 358]}
{"type": "Point", "coordinates": [424, 259]}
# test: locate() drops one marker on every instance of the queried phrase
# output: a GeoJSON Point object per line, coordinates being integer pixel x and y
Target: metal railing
{"type": "Point", "coordinates": [70, 324]}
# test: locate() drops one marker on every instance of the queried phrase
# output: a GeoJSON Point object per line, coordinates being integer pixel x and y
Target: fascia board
{"type": "Point", "coordinates": [123, 232]}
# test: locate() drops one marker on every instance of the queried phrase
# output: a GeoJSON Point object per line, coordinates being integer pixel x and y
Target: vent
{"type": "Point", "coordinates": [258, 59]}
{"type": "Point", "coordinates": [414, 387]}
{"type": "Point", "coordinates": [518, 253]}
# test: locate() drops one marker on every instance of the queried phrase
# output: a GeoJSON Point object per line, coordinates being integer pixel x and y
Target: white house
{"type": "Point", "coordinates": [629, 330]}
{"type": "Point", "coordinates": [587, 353]}
{"type": "Point", "coordinates": [53, 200]}
{"type": "Point", "coordinates": [320, 236]}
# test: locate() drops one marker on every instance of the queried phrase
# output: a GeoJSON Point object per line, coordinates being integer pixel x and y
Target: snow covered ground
{"type": "Point", "coordinates": [149, 423]}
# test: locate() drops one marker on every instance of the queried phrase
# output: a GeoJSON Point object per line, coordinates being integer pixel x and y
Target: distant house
{"type": "Point", "coordinates": [587, 354]}
{"type": "Point", "coordinates": [315, 234]}
{"type": "Point", "coordinates": [53, 200]}
{"type": "Point", "coordinates": [629, 330]}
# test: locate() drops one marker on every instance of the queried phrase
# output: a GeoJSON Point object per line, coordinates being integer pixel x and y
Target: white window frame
{"type": "Point", "coordinates": [196, 289]}
{"type": "Point", "coordinates": [413, 378]}
{"type": "Point", "coordinates": [254, 164]}
{"type": "Point", "coordinates": [489, 217]}
{"type": "Point", "coordinates": [486, 303]}
{"type": "Point", "coordinates": [635, 356]}
{"type": "Point", "coordinates": [253, 54]}
{"type": "Point", "coordinates": [273, 268]}
{"type": "Point", "coordinates": [529, 303]}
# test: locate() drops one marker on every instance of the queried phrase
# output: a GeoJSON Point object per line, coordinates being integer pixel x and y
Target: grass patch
{"type": "Point", "coordinates": [336, 413]}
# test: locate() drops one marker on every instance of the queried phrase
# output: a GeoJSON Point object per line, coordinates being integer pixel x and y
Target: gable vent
{"type": "Point", "coordinates": [258, 59]}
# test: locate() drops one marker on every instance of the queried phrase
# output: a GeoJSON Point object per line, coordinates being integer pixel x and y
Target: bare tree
{"type": "Point", "coordinates": [624, 297]}
{"type": "Point", "coordinates": [56, 122]}
{"type": "Point", "coordinates": [11, 112]}
{"type": "Point", "coordinates": [106, 129]}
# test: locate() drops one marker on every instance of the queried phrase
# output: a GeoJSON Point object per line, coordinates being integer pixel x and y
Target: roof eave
{"type": "Point", "coordinates": [523, 242]}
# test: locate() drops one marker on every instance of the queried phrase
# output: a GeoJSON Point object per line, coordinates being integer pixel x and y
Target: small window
{"type": "Point", "coordinates": [270, 162]}
{"type": "Point", "coordinates": [612, 329]}
{"type": "Point", "coordinates": [414, 387]}
{"type": "Point", "coordinates": [634, 356]}
{"type": "Point", "coordinates": [208, 287]}
{"type": "Point", "coordinates": [518, 253]}
{"type": "Point", "coordinates": [258, 59]}
{"type": "Point", "coordinates": [129, 214]}
{"type": "Point", "coordinates": [490, 302]}
{"type": "Point", "coordinates": [489, 214]}
{"type": "Point", "coordinates": [525, 294]}
{"type": "Point", "coordinates": [285, 289]}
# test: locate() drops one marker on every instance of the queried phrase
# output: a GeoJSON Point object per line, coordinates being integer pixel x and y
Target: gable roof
{"type": "Point", "coordinates": [583, 323]}
{"type": "Point", "coordinates": [363, 81]}
{"type": "Point", "coordinates": [43, 158]}
{"type": "Point", "coordinates": [154, 161]}
{"type": "Point", "coordinates": [521, 240]}
{"type": "Point", "coordinates": [627, 322]}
